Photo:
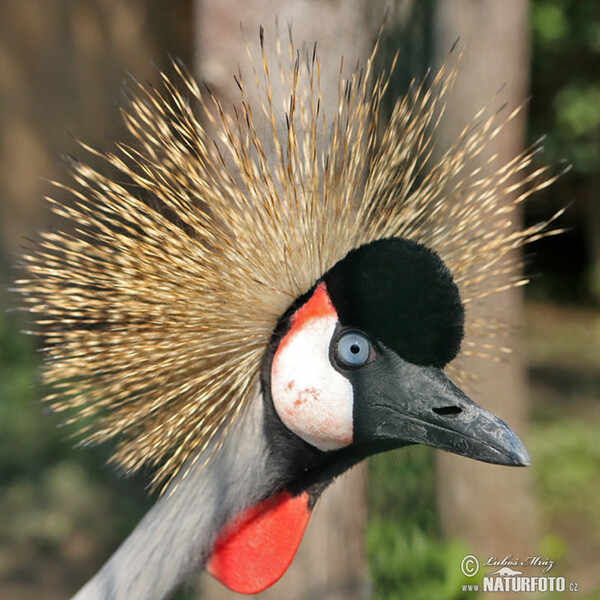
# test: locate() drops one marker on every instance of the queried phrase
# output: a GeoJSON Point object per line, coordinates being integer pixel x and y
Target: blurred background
{"type": "Point", "coordinates": [63, 67]}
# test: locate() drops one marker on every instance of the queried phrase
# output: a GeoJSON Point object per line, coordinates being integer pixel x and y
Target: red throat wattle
{"type": "Point", "coordinates": [254, 550]}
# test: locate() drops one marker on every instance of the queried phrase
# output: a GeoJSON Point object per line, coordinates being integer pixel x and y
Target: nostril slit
{"type": "Point", "coordinates": [448, 411]}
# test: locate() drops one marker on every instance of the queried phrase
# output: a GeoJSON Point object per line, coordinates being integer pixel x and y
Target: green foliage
{"type": "Point", "coordinates": [407, 563]}
{"type": "Point", "coordinates": [23, 436]}
{"type": "Point", "coordinates": [566, 92]}
{"type": "Point", "coordinates": [577, 113]}
{"type": "Point", "coordinates": [402, 487]}
{"type": "Point", "coordinates": [549, 22]}
{"type": "Point", "coordinates": [566, 462]}
{"type": "Point", "coordinates": [578, 108]}
{"type": "Point", "coordinates": [56, 504]}
{"type": "Point", "coordinates": [45, 512]}
{"type": "Point", "coordinates": [406, 557]}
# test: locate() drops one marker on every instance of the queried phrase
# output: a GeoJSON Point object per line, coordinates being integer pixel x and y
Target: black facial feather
{"type": "Point", "coordinates": [401, 293]}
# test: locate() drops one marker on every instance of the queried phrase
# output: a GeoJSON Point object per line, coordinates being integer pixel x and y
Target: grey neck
{"type": "Point", "coordinates": [175, 538]}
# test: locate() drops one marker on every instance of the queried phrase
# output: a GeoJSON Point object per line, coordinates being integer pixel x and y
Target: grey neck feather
{"type": "Point", "coordinates": [175, 538]}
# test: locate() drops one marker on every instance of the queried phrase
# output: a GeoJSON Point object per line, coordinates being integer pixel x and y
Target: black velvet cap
{"type": "Point", "coordinates": [400, 293]}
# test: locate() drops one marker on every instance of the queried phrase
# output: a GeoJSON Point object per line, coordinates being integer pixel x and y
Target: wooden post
{"type": "Point", "coordinates": [490, 507]}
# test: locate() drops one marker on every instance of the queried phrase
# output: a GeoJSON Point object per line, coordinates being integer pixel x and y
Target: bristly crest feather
{"type": "Point", "coordinates": [158, 302]}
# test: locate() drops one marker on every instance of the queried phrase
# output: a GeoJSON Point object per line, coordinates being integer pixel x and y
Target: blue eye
{"type": "Point", "coordinates": [353, 349]}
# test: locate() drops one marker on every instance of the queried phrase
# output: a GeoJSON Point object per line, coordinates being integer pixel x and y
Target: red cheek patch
{"type": "Point", "coordinates": [319, 305]}
{"type": "Point", "coordinates": [254, 550]}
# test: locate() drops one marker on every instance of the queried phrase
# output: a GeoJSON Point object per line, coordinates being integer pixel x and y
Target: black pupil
{"type": "Point", "coordinates": [355, 348]}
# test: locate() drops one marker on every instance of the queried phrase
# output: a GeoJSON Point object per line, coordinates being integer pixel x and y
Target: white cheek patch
{"type": "Point", "coordinates": [311, 398]}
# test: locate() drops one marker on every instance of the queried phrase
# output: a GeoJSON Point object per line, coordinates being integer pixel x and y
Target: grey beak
{"type": "Point", "coordinates": [409, 403]}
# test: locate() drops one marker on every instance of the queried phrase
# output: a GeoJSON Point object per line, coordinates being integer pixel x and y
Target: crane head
{"type": "Point", "coordinates": [356, 367]}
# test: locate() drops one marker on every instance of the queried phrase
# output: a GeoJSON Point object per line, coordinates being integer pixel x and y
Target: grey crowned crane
{"type": "Point", "coordinates": [250, 316]}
